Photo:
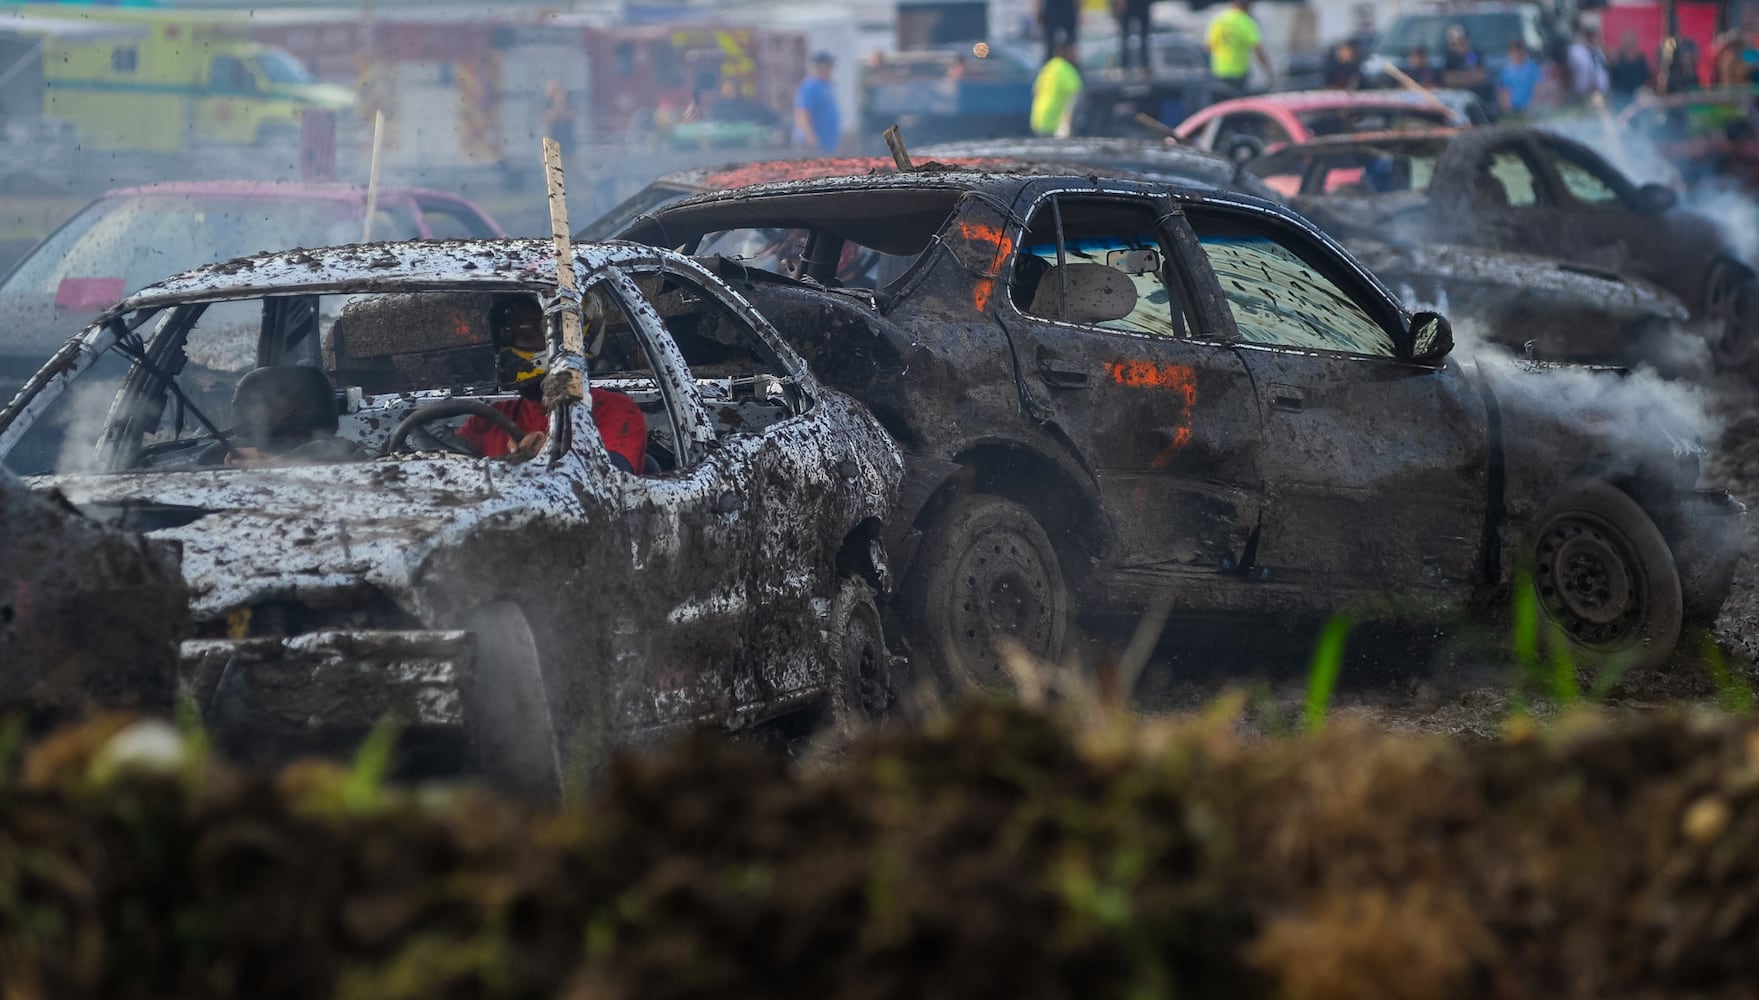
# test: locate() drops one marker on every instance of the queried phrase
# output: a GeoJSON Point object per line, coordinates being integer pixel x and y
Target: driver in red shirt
{"type": "Point", "coordinates": [517, 325]}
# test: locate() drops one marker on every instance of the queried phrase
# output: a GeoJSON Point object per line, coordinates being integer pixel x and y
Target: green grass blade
{"type": "Point", "coordinates": [1322, 672]}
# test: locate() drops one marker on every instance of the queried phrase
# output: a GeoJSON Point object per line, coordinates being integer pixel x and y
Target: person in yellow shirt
{"type": "Point", "coordinates": [1054, 92]}
{"type": "Point", "coordinates": [1232, 41]}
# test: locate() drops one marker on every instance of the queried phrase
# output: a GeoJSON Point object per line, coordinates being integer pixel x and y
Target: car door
{"type": "Point", "coordinates": [1375, 468]}
{"type": "Point", "coordinates": [1107, 334]}
{"type": "Point", "coordinates": [679, 661]}
{"type": "Point", "coordinates": [782, 486]}
{"type": "Point", "coordinates": [1599, 224]}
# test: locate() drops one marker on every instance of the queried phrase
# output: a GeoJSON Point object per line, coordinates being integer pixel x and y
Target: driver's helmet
{"type": "Point", "coordinates": [521, 355]}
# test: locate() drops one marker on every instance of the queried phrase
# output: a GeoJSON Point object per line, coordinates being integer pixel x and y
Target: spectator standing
{"type": "Point", "coordinates": [817, 123]}
{"type": "Point", "coordinates": [1343, 67]}
{"type": "Point", "coordinates": [1233, 40]}
{"type": "Point", "coordinates": [1588, 74]}
{"type": "Point", "coordinates": [1424, 72]}
{"type": "Point", "coordinates": [1461, 65]}
{"type": "Point", "coordinates": [1059, 21]}
{"type": "Point", "coordinates": [1518, 80]}
{"type": "Point", "coordinates": [1679, 60]}
{"type": "Point", "coordinates": [1727, 67]}
{"type": "Point", "coordinates": [1630, 71]}
{"type": "Point", "coordinates": [1054, 92]}
{"type": "Point", "coordinates": [1133, 16]}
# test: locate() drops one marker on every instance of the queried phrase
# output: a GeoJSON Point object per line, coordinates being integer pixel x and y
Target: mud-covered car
{"type": "Point", "coordinates": [1527, 190]}
{"type": "Point", "coordinates": [1111, 393]}
{"type": "Point", "coordinates": [292, 421]}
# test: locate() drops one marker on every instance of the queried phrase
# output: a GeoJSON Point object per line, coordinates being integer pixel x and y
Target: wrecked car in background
{"type": "Point", "coordinates": [1113, 392]}
{"type": "Point", "coordinates": [349, 554]}
{"type": "Point", "coordinates": [1526, 190]}
{"type": "Point", "coordinates": [1249, 127]}
{"type": "Point", "coordinates": [130, 237]}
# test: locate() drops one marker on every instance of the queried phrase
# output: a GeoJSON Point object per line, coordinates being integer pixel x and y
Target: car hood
{"type": "Point", "coordinates": [297, 532]}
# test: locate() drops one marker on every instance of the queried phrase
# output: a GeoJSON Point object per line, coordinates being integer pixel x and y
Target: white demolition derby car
{"type": "Point", "coordinates": [293, 422]}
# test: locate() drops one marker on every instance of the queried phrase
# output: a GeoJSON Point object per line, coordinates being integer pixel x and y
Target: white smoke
{"type": "Point", "coordinates": [1639, 405]}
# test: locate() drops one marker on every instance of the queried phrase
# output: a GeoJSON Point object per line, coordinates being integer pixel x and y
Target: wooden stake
{"type": "Point", "coordinates": [565, 383]}
{"type": "Point", "coordinates": [895, 142]}
{"type": "Point", "coordinates": [1413, 86]}
{"type": "Point", "coordinates": [372, 183]}
{"type": "Point", "coordinates": [1154, 124]}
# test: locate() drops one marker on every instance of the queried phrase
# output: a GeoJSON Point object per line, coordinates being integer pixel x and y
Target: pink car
{"type": "Point", "coordinates": [1248, 127]}
{"type": "Point", "coordinates": [131, 237]}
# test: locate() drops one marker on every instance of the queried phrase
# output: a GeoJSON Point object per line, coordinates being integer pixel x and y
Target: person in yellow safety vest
{"type": "Point", "coordinates": [1232, 41]}
{"type": "Point", "coordinates": [1054, 92]}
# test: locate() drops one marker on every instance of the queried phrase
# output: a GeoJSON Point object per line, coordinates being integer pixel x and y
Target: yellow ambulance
{"type": "Point", "coordinates": [163, 80]}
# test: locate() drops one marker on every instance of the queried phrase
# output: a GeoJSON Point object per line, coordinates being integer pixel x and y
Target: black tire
{"type": "Point", "coordinates": [869, 685]}
{"type": "Point", "coordinates": [507, 705]}
{"type": "Point", "coordinates": [1604, 575]}
{"type": "Point", "coordinates": [1731, 310]}
{"type": "Point", "coordinates": [987, 570]}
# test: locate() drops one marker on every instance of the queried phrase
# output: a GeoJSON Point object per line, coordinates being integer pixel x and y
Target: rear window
{"type": "Point", "coordinates": [1358, 172]}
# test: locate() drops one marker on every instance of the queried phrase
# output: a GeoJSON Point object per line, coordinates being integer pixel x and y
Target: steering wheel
{"type": "Point", "coordinates": [446, 410]}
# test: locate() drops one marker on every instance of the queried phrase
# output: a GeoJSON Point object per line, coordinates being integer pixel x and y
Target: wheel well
{"type": "Point", "coordinates": [857, 556]}
{"type": "Point", "coordinates": [1065, 508]}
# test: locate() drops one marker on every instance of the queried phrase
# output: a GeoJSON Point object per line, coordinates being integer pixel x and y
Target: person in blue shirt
{"type": "Point", "coordinates": [817, 125]}
{"type": "Point", "coordinates": [1519, 78]}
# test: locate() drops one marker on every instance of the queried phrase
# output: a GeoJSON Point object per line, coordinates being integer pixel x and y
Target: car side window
{"type": "Point", "coordinates": [1280, 299]}
{"type": "Point", "coordinates": [1506, 178]}
{"type": "Point", "coordinates": [743, 381]}
{"type": "Point", "coordinates": [1583, 183]}
{"type": "Point", "coordinates": [1112, 272]}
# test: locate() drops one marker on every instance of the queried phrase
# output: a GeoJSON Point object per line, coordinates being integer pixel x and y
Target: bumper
{"type": "Point", "coordinates": [1710, 540]}
{"type": "Point", "coordinates": [329, 681]}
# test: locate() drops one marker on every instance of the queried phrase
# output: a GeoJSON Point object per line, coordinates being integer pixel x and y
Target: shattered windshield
{"type": "Point", "coordinates": [295, 378]}
{"type": "Point", "coordinates": [783, 252]}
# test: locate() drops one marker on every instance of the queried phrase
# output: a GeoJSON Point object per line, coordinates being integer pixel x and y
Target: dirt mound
{"type": "Point", "coordinates": [995, 853]}
{"type": "Point", "coordinates": [90, 615]}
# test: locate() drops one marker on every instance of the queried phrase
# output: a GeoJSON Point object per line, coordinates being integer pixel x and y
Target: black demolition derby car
{"type": "Point", "coordinates": [290, 420]}
{"type": "Point", "coordinates": [1113, 392]}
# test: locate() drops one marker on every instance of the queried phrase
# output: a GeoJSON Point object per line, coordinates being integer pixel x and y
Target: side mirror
{"type": "Point", "coordinates": [1656, 198]}
{"type": "Point", "coordinates": [1432, 337]}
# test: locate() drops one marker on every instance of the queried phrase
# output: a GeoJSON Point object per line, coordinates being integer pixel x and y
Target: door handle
{"type": "Point", "coordinates": [1062, 374]}
{"type": "Point", "coordinates": [1287, 397]}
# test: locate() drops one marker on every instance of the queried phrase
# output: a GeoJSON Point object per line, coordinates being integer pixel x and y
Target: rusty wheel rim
{"type": "Point", "coordinates": [1587, 579]}
{"type": "Point", "coordinates": [1004, 590]}
{"type": "Point", "coordinates": [864, 661]}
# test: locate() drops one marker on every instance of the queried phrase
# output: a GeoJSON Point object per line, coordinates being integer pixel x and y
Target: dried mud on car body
{"type": "Point", "coordinates": [996, 853]}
